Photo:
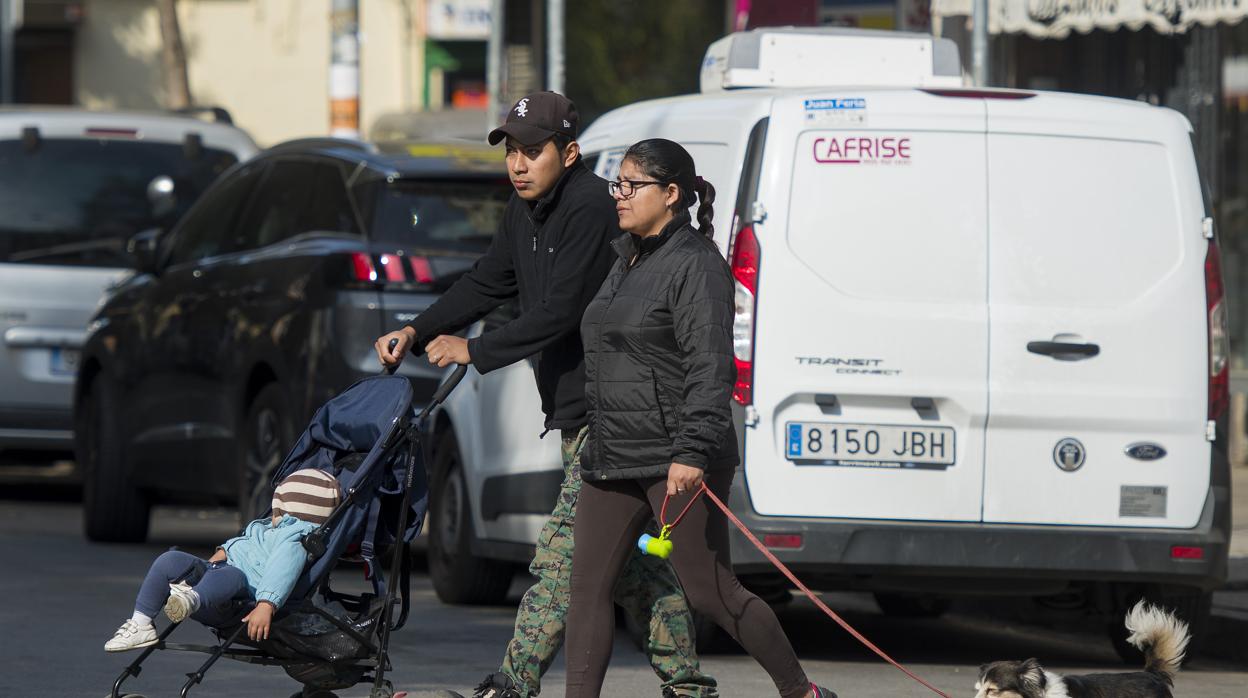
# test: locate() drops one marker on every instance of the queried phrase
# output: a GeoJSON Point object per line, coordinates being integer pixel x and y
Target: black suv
{"type": "Point", "coordinates": [263, 302]}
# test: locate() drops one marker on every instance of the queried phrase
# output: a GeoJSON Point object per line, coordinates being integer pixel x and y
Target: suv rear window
{"type": "Point", "coordinates": [457, 218]}
{"type": "Point", "coordinates": [76, 201]}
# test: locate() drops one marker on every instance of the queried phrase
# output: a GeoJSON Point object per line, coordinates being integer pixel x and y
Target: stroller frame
{"type": "Point", "coordinates": [378, 661]}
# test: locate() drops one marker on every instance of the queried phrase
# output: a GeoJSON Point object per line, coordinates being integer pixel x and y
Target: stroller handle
{"type": "Point", "coordinates": [389, 370]}
{"type": "Point", "coordinates": [445, 389]}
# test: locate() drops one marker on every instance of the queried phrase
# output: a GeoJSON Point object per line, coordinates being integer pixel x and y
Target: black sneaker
{"type": "Point", "coordinates": [821, 692]}
{"type": "Point", "coordinates": [497, 685]}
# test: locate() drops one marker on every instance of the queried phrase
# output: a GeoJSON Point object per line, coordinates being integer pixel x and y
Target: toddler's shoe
{"type": "Point", "coordinates": [131, 636]}
{"type": "Point", "coordinates": [183, 601]}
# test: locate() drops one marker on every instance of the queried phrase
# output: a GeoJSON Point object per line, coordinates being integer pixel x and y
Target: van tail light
{"type": "Point", "coordinates": [391, 269]}
{"type": "Point", "coordinates": [745, 263]}
{"type": "Point", "coordinates": [1219, 340]}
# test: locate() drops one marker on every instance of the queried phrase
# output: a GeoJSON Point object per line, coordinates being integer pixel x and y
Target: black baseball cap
{"type": "Point", "coordinates": [537, 117]}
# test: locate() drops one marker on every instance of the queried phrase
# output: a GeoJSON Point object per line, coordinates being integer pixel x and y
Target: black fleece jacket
{"type": "Point", "coordinates": [552, 255]}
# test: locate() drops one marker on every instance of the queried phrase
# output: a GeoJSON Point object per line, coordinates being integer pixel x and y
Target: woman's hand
{"type": "Point", "coordinates": [448, 349]}
{"type": "Point", "coordinates": [258, 621]}
{"type": "Point", "coordinates": [683, 479]}
{"type": "Point", "coordinates": [393, 358]}
{"type": "Point", "coordinates": [218, 556]}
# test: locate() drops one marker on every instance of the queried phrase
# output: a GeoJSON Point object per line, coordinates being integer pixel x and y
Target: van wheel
{"type": "Point", "coordinates": [458, 577]}
{"type": "Point", "coordinates": [1190, 604]}
{"type": "Point", "coordinates": [267, 438]}
{"type": "Point", "coordinates": [906, 606]}
{"type": "Point", "coordinates": [114, 510]}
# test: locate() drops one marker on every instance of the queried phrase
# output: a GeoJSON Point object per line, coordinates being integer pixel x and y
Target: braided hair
{"type": "Point", "coordinates": [668, 162]}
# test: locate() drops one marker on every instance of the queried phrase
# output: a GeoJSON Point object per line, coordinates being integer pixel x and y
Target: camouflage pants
{"type": "Point", "coordinates": [647, 590]}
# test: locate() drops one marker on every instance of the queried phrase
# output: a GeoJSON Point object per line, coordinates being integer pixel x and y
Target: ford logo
{"type": "Point", "coordinates": [1146, 451]}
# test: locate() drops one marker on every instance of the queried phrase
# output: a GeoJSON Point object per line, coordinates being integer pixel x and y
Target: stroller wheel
{"type": "Point", "coordinates": [385, 690]}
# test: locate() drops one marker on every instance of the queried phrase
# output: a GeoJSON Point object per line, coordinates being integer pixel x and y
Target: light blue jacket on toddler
{"type": "Point", "coordinates": [270, 556]}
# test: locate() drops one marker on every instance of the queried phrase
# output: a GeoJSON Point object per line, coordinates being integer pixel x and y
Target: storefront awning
{"type": "Point", "coordinates": [1055, 19]}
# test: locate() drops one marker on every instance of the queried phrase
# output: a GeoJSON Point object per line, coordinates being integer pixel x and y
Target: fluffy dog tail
{"type": "Point", "coordinates": [1160, 636]}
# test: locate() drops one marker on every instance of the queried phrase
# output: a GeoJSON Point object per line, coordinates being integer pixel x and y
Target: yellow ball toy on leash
{"type": "Point", "coordinates": [659, 547]}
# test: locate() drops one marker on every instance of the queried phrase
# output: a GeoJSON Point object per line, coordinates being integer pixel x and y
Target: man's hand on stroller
{"type": "Point", "coordinates": [448, 349]}
{"type": "Point", "coordinates": [258, 621]}
{"type": "Point", "coordinates": [404, 337]}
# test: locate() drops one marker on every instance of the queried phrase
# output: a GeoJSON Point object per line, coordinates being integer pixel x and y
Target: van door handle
{"type": "Point", "coordinates": [1064, 351]}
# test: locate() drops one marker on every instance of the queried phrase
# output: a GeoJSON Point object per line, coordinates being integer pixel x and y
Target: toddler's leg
{"type": "Point", "coordinates": [171, 566]}
{"type": "Point", "coordinates": [220, 585]}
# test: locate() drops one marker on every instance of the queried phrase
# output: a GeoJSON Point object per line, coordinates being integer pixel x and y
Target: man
{"type": "Point", "coordinates": [552, 252]}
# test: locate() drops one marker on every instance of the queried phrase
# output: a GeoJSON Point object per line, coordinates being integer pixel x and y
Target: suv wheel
{"type": "Point", "coordinates": [458, 577]}
{"type": "Point", "coordinates": [114, 510]}
{"type": "Point", "coordinates": [267, 438]}
{"type": "Point", "coordinates": [1190, 604]}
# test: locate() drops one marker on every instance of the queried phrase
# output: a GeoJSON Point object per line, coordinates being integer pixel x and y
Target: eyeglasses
{"type": "Point", "coordinates": [627, 187]}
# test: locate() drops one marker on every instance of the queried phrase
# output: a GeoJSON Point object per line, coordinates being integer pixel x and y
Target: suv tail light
{"type": "Point", "coordinates": [1219, 341]}
{"type": "Point", "coordinates": [362, 267]}
{"type": "Point", "coordinates": [745, 263]}
{"type": "Point", "coordinates": [391, 269]}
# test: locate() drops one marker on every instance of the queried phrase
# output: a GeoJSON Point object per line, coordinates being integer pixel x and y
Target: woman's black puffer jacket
{"type": "Point", "coordinates": [658, 359]}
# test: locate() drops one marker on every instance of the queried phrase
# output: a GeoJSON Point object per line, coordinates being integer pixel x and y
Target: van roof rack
{"type": "Point", "coordinates": [829, 57]}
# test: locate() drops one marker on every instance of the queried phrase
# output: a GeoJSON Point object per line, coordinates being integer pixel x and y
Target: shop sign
{"type": "Point", "coordinates": [458, 19]}
{"type": "Point", "coordinates": [1055, 19]}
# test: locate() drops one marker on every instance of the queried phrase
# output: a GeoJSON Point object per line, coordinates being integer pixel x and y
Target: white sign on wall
{"type": "Point", "coordinates": [459, 19]}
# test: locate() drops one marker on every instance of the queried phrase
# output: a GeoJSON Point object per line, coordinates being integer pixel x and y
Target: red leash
{"type": "Point", "coordinates": [810, 594]}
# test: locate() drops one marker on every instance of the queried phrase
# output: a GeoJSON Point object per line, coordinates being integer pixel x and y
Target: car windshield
{"type": "Point", "coordinates": [439, 218]}
{"type": "Point", "coordinates": [76, 201]}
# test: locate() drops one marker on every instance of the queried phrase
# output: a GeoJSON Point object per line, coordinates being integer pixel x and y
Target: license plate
{"type": "Point", "coordinates": [64, 361]}
{"type": "Point", "coordinates": [870, 445]}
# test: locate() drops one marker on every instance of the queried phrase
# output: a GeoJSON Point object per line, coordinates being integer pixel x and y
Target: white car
{"type": "Point", "coordinates": [75, 186]}
{"type": "Point", "coordinates": [980, 337]}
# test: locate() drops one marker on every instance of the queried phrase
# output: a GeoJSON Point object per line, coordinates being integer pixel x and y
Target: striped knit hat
{"type": "Point", "coordinates": [307, 494]}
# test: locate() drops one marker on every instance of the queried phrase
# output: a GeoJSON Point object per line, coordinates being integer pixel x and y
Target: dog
{"type": "Point", "coordinates": [1156, 632]}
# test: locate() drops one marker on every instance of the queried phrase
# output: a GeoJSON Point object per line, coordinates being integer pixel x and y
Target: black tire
{"type": "Point", "coordinates": [1190, 604]}
{"type": "Point", "coordinates": [458, 577]}
{"type": "Point", "coordinates": [114, 510]}
{"type": "Point", "coordinates": [267, 438]}
{"type": "Point", "coordinates": [907, 606]}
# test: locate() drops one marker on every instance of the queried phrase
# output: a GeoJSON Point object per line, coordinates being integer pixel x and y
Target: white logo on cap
{"type": "Point", "coordinates": [567, 124]}
{"type": "Point", "coordinates": [522, 107]}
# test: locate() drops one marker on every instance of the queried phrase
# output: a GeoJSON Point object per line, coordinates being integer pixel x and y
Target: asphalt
{"type": "Point", "coordinates": [1229, 622]}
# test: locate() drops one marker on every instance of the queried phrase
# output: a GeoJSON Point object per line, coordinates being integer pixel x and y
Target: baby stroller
{"type": "Point", "coordinates": [369, 439]}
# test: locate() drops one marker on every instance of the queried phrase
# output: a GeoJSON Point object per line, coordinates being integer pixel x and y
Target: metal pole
{"type": "Point", "coordinates": [979, 43]}
{"type": "Point", "coordinates": [344, 69]}
{"type": "Point", "coordinates": [9, 19]}
{"type": "Point", "coordinates": [494, 65]}
{"type": "Point", "coordinates": [554, 45]}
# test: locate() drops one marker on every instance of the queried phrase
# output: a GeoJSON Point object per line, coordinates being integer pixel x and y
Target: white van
{"type": "Point", "coordinates": [980, 335]}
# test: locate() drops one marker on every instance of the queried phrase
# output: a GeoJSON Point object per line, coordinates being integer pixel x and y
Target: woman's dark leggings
{"type": "Point", "coordinates": [610, 516]}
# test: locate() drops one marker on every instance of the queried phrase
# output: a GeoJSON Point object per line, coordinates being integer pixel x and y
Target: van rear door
{"type": "Point", "coordinates": [871, 335]}
{"type": "Point", "coordinates": [1098, 367]}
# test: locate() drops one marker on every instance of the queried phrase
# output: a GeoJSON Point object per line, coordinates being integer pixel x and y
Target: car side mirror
{"type": "Point", "coordinates": [142, 249]}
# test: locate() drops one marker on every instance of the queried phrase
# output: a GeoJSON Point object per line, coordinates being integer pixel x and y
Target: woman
{"type": "Point", "coordinates": [660, 373]}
